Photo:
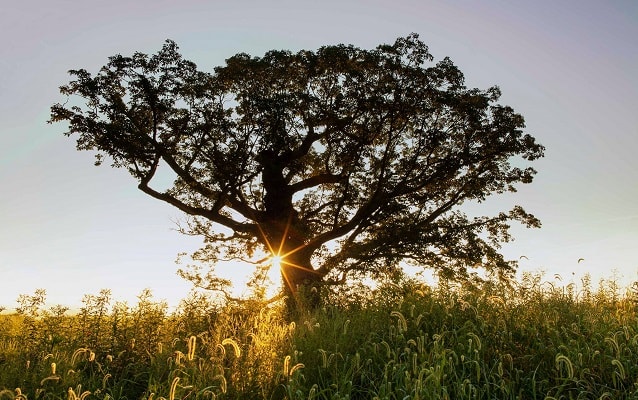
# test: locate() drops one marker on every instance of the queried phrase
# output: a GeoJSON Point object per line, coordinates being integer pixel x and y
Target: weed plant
{"type": "Point", "coordinates": [533, 339]}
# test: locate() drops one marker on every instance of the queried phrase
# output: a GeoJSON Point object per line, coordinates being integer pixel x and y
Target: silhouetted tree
{"type": "Point", "coordinates": [343, 160]}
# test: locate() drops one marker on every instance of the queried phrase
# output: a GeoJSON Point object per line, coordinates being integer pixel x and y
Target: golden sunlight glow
{"type": "Point", "coordinates": [277, 258]}
{"type": "Point", "coordinates": [275, 262]}
{"type": "Point", "coordinates": [274, 275]}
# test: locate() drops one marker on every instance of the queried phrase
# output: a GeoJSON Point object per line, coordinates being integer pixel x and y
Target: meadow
{"type": "Point", "coordinates": [531, 339]}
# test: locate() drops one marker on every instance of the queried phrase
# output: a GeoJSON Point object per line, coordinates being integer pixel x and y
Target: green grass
{"type": "Point", "coordinates": [525, 340]}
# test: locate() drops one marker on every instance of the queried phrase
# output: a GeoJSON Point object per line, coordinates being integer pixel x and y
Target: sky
{"type": "Point", "coordinates": [569, 67]}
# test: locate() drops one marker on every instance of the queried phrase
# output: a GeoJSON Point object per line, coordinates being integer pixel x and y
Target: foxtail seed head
{"type": "Point", "coordinates": [106, 378]}
{"type": "Point", "coordinates": [402, 323]}
{"type": "Point", "coordinates": [192, 343]}
{"type": "Point", "coordinates": [234, 344]}
{"type": "Point", "coordinates": [286, 365]}
{"type": "Point", "coordinates": [77, 353]}
{"type": "Point", "coordinates": [222, 382]}
{"type": "Point", "coordinates": [295, 368]}
{"type": "Point", "coordinates": [171, 394]}
{"type": "Point", "coordinates": [178, 357]}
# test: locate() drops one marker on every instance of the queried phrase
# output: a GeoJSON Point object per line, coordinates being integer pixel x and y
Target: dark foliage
{"type": "Point", "coordinates": [342, 160]}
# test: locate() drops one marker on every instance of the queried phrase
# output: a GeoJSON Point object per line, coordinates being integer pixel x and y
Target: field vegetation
{"type": "Point", "coordinates": [531, 339]}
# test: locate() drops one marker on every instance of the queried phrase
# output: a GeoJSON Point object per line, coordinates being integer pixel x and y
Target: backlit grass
{"type": "Point", "coordinates": [525, 340]}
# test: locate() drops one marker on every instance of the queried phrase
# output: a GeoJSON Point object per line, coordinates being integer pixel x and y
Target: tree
{"type": "Point", "coordinates": [342, 161]}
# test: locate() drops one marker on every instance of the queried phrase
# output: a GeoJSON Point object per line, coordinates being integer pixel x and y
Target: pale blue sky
{"type": "Point", "coordinates": [568, 66]}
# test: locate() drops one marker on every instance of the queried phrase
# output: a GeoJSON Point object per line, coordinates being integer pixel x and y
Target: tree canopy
{"type": "Point", "coordinates": [340, 160]}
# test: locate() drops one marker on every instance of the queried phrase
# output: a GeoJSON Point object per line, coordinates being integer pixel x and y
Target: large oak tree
{"type": "Point", "coordinates": [341, 160]}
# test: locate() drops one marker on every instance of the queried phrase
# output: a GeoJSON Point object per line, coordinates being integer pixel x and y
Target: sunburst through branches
{"type": "Point", "coordinates": [279, 263]}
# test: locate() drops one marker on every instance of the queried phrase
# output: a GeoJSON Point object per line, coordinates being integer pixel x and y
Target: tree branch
{"type": "Point", "coordinates": [315, 180]}
{"type": "Point", "coordinates": [208, 214]}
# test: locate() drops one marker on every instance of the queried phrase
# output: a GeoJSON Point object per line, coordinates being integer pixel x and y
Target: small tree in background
{"type": "Point", "coordinates": [341, 161]}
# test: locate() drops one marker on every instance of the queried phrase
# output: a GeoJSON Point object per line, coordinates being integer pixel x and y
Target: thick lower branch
{"type": "Point", "coordinates": [206, 213]}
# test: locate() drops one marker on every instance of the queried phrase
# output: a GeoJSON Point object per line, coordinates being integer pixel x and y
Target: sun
{"type": "Point", "coordinates": [274, 274]}
{"type": "Point", "coordinates": [275, 262]}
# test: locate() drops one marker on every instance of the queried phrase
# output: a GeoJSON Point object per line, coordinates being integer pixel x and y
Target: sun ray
{"type": "Point", "coordinates": [263, 234]}
{"type": "Point", "coordinates": [282, 242]}
{"type": "Point", "coordinates": [278, 260]}
{"type": "Point", "coordinates": [287, 281]}
{"type": "Point", "coordinates": [285, 235]}
{"type": "Point", "coordinates": [282, 261]}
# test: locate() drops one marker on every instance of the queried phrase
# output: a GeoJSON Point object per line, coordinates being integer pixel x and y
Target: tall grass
{"type": "Point", "coordinates": [532, 339]}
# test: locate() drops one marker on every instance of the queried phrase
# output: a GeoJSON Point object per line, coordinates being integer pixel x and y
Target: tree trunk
{"type": "Point", "coordinates": [286, 239]}
{"type": "Point", "coordinates": [301, 281]}
{"type": "Point", "coordinates": [285, 235]}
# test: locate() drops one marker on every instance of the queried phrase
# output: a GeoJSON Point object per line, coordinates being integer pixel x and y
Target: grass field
{"type": "Point", "coordinates": [525, 340]}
